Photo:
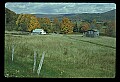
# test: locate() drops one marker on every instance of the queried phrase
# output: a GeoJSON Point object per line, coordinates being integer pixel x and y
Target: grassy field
{"type": "Point", "coordinates": [66, 56]}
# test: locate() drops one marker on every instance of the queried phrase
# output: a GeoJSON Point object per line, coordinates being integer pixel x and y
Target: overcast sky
{"type": "Point", "coordinates": [59, 8]}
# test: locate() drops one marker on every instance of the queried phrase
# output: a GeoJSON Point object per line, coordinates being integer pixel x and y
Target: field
{"type": "Point", "coordinates": [66, 56]}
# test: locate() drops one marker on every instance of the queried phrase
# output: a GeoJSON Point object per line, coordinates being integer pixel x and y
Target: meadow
{"type": "Point", "coordinates": [66, 56]}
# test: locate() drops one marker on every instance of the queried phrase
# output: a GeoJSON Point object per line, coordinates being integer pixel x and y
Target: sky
{"type": "Point", "coordinates": [58, 8]}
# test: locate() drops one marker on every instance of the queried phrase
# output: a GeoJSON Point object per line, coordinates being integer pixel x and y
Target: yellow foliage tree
{"type": "Point", "coordinates": [27, 22]}
{"type": "Point", "coordinates": [33, 24]}
{"type": "Point", "coordinates": [47, 21]}
{"type": "Point", "coordinates": [66, 25]}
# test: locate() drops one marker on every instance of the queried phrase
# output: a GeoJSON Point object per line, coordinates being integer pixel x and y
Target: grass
{"type": "Point", "coordinates": [64, 57]}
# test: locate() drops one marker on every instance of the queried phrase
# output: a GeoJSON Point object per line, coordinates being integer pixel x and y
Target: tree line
{"type": "Point", "coordinates": [29, 22]}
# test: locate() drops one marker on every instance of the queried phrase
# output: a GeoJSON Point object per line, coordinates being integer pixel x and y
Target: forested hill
{"type": "Point", "coordinates": [11, 16]}
{"type": "Point", "coordinates": [10, 19]}
{"type": "Point", "coordinates": [110, 15]}
{"type": "Point", "coordinates": [8, 11]}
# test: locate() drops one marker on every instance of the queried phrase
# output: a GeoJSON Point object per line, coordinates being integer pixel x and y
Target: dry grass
{"type": "Point", "coordinates": [66, 58]}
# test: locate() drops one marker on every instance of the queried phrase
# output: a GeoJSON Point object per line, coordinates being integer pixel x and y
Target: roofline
{"type": "Point", "coordinates": [91, 30]}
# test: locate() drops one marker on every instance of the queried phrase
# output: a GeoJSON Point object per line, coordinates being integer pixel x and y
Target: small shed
{"type": "Point", "coordinates": [91, 33]}
{"type": "Point", "coordinates": [38, 31]}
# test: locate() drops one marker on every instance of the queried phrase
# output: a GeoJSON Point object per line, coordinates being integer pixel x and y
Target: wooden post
{"type": "Point", "coordinates": [12, 52]}
{"type": "Point", "coordinates": [34, 61]}
{"type": "Point", "coordinates": [40, 64]}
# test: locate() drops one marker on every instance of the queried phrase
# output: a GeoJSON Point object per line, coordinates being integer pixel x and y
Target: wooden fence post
{"type": "Point", "coordinates": [40, 64]}
{"type": "Point", "coordinates": [12, 52]}
{"type": "Point", "coordinates": [34, 61]}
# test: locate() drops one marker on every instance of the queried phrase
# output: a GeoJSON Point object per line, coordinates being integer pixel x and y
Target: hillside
{"type": "Point", "coordinates": [10, 15]}
{"type": "Point", "coordinates": [110, 15]}
{"type": "Point", "coordinates": [10, 19]}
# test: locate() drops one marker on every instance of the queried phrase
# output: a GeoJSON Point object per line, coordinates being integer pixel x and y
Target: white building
{"type": "Point", "coordinates": [38, 31]}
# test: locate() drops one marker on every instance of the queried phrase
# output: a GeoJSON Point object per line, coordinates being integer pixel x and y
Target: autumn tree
{"type": "Point", "coordinates": [33, 24]}
{"type": "Point", "coordinates": [41, 21]}
{"type": "Point", "coordinates": [56, 25]}
{"type": "Point", "coordinates": [22, 22]}
{"type": "Point", "coordinates": [75, 29]}
{"type": "Point", "coordinates": [45, 24]}
{"type": "Point", "coordinates": [93, 24]}
{"type": "Point", "coordinates": [84, 26]}
{"type": "Point", "coordinates": [27, 22]}
{"type": "Point", "coordinates": [46, 21]}
{"type": "Point", "coordinates": [94, 21]}
{"type": "Point", "coordinates": [66, 26]}
{"type": "Point", "coordinates": [111, 28]}
{"type": "Point", "coordinates": [98, 26]}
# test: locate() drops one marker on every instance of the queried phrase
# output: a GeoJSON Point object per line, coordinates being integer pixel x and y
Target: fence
{"type": "Point", "coordinates": [35, 58]}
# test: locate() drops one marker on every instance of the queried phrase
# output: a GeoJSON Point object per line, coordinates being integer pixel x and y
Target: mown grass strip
{"type": "Point", "coordinates": [93, 43]}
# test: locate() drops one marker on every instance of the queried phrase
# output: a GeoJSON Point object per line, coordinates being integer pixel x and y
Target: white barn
{"type": "Point", "coordinates": [38, 31]}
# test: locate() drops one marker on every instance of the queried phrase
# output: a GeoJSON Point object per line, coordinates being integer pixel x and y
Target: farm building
{"type": "Point", "coordinates": [91, 33]}
{"type": "Point", "coordinates": [38, 31]}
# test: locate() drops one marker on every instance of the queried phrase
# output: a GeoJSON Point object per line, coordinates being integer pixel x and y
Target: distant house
{"type": "Point", "coordinates": [91, 33]}
{"type": "Point", "coordinates": [38, 31]}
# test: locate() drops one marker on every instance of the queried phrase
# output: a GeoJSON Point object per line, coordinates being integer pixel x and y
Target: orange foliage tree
{"type": "Point", "coordinates": [85, 26]}
{"type": "Point", "coordinates": [111, 28]}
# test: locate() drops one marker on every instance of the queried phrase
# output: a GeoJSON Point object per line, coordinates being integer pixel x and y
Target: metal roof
{"type": "Point", "coordinates": [93, 30]}
{"type": "Point", "coordinates": [37, 30]}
